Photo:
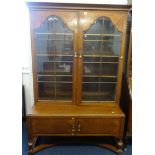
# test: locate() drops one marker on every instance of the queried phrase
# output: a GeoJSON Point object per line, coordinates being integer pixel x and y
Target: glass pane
{"type": "Point", "coordinates": [108, 91]}
{"type": "Point", "coordinates": [100, 61]}
{"type": "Point", "coordinates": [102, 38]}
{"type": "Point", "coordinates": [63, 91]}
{"type": "Point", "coordinates": [109, 69]}
{"type": "Point", "coordinates": [53, 37]}
{"type": "Point", "coordinates": [90, 92]}
{"type": "Point", "coordinates": [45, 91]}
{"type": "Point", "coordinates": [54, 55]}
{"type": "Point", "coordinates": [63, 68]}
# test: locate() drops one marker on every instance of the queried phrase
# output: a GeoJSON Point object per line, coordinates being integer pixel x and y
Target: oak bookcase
{"type": "Point", "coordinates": [77, 57]}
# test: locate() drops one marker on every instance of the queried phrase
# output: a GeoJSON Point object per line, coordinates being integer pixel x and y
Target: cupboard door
{"type": "Point", "coordinates": [54, 46]}
{"type": "Point", "coordinates": [99, 126]}
{"type": "Point", "coordinates": [100, 60]}
{"type": "Point", "coordinates": [52, 126]}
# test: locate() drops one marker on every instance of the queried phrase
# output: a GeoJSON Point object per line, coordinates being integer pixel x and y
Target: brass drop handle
{"type": "Point", "coordinates": [75, 55]}
{"type": "Point", "coordinates": [80, 55]}
{"type": "Point", "coordinates": [78, 127]}
{"type": "Point", "coordinates": [73, 127]}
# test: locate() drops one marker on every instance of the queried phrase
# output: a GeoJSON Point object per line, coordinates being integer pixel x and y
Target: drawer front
{"type": "Point", "coordinates": [77, 126]}
{"type": "Point", "coordinates": [52, 126]}
{"type": "Point", "coordinates": [102, 126]}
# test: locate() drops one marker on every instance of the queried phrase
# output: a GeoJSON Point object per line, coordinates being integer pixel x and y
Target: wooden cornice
{"type": "Point", "coordinates": [77, 6]}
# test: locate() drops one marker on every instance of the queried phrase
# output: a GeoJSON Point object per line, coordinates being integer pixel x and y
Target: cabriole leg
{"type": "Point", "coordinates": [120, 145]}
{"type": "Point", "coordinates": [30, 146]}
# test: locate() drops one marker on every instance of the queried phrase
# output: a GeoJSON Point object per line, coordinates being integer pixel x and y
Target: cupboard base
{"type": "Point", "coordinates": [75, 122]}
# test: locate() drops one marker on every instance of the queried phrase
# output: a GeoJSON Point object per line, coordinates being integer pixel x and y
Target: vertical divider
{"type": "Point", "coordinates": [75, 49]}
{"type": "Point", "coordinates": [80, 60]}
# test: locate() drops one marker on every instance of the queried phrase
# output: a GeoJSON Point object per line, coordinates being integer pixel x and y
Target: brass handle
{"type": "Point", "coordinates": [80, 55]}
{"type": "Point", "coordinates": [75, 55]}
{"type": "Point", "coordinates": [79, 127]}
{"type": "Point", "coordinates": [73, 127]}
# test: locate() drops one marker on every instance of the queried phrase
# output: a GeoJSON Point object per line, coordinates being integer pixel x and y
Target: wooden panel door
{"type": "Point", "coordinates": [52, 126]}
{"type": "Point", "coordinates": [99, 126]}
{"type": "Point", "coordinates": [54, 46]}
{"type": "Point", "coordinates": [101, 52]}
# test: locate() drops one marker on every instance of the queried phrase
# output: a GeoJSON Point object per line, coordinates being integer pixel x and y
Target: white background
{"type": "Point", "coordinates": [14, 40]}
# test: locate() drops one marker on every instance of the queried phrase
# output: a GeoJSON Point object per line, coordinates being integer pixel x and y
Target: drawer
{"type": "Point", "coordinates": [50, 126]}
{"type": "Point", "coordinates": [102, 126]}
{"type": "Point", "coordinates": [77, 126]}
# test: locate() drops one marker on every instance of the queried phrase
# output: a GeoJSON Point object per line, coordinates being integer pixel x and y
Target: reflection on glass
{"type": "Point", "coordinates": [54, 55]}
{"type": "Point", "coordinates": [100, 61]}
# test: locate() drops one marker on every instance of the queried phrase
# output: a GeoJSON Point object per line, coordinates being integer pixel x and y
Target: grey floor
{"type": "Point", "coordinates": [72, 149]}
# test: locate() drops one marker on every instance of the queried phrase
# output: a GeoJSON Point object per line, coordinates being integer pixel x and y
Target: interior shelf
{"type": "Point", "coordinates": [116, 35]}
{"type": "Point", "coordinates": [100, 55]}
{"type": "Point", "coordinates": [101, 40]}
{"type": "Point", "coordinates": [101, 76]}
{"type": "Point", "coordinates": [96, 93]}
{"type": "Point", "coordinates": [49, 33]}
{"type": "Point", "coordinates": [101, 82]}
{"type": "Point", "coordinates": [57, 75]}
{"type": "Point", "coordinates": [100, 62]}
{"type": "Point", "coordinates": [84, 55]}
{"type": "Point", "coordinates": [97, 97]}
{"type": "Point", "coordinates": [54, 82]}
{"type": "Point", "coordinates": [45, 54]}
{"type": "Point", "coordinates": [56, 61]}
{"type": "Point", "coordinates": [57, 39]}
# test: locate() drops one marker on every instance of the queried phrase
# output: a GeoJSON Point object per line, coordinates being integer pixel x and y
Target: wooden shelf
{"type": "Point", "coordinates": [100, 62]}
{"type": "Point", "coordinates": [54, 82]}
{"type": "Point", "coordinates": [101, 82]}
{"type": "Point", "coordinates": [97, 97]}
{"type": "Point", "coordinates": [102, 41]}
{"type": "Point", "coordinates": [57, 39]}
{"type": "Point", "coordinates": [49, 33]}
{"type": "Point", "coordinates": [56, 55]}
{"type": "Point", "coordinates": [55, 93]}
{"type": "Point", "coordinates": [54, 75]}
{"type": "Point", "coordinates": [84, 55]}
{"type": "Point", "coordinates": [96, 93]}
{"type": "Point", "coordinates": [116, 35]}
{"type": "Point", "coordinates": [100, 55]}
{"type": "Point", "coordinates": [101, 76]}
{"type": "Point", "coordinates": [63, 100]}
{"type": "Point", "coordinates": [56, 61]}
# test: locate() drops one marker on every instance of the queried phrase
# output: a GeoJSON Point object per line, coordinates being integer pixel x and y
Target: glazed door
{"type": "Point", "coordinates": [54, 35]}
{"type": "Point", "coordinates": [101, 52]}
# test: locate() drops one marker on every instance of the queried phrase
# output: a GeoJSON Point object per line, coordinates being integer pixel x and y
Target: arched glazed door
{"type": "Point", "coordinates": [54, 53]}
{"type": "Point", "coordinates": [101, 54]}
